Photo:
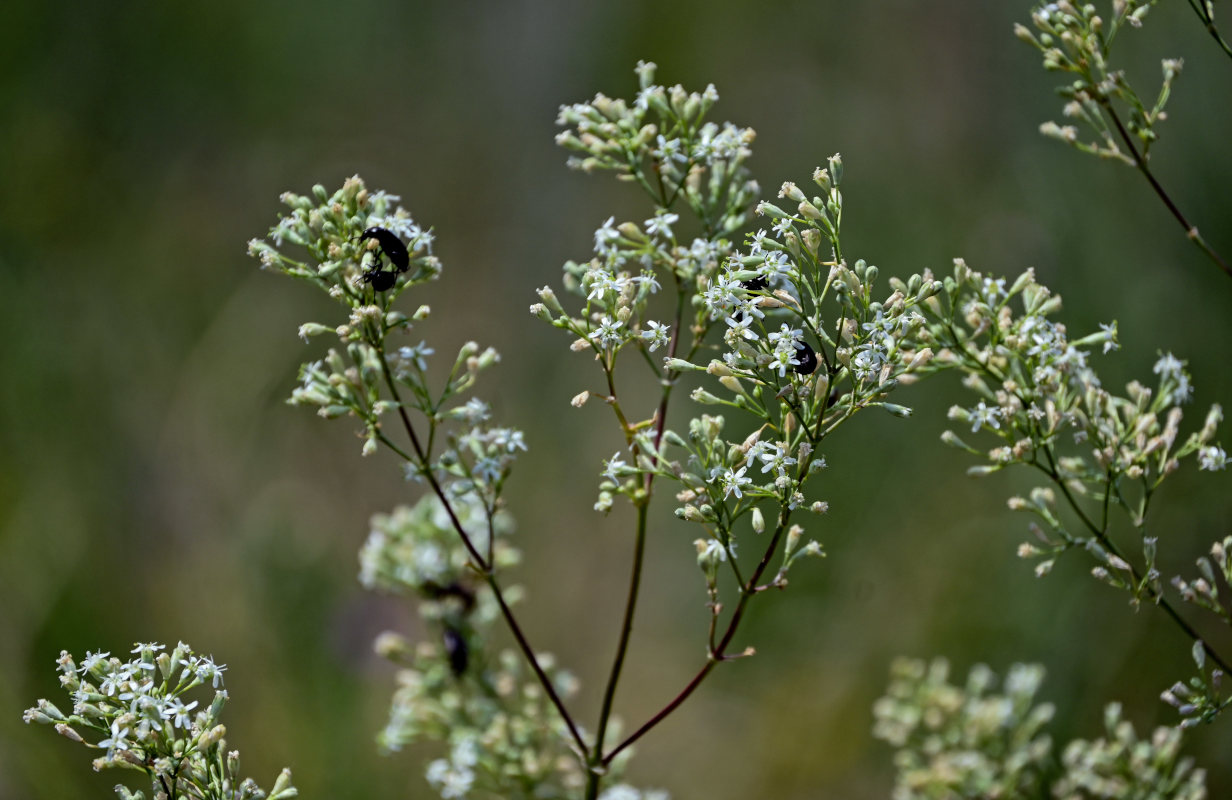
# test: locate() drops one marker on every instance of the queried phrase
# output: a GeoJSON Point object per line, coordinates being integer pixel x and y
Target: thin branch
{"type": "Point", "coordinates": [1152, 595]}
{"type": "Point", "coordinates": [626, 630]}
{"type": "Point", "coordinates": [1140, 163]}
{"type": "Point", "coordinates": [639, 550]}
{"type": "Point", "coordinates": [1208, 21]}
{"type": "Point", "coordinates": [481, 565]}
{"type": "Point", "coordinates": [718, 655]}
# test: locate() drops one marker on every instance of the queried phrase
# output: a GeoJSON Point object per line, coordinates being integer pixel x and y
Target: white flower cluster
{"type": "Point", "coordinates": [1038, 392]}
{"type": "Point", "coordinates": [1076, 39]}
{"type": "Point", "coordinates": [141, 712]}
{"type": "Point", "coordinates": [964, 741]}
{"type": "Point", "coordinates": [1122, 765]}
{"type": "Point", "coordinates": [968, 741]}
{"type": "Point", "coordinates": [329, 226]}
{"type": "Point", "coordinates": [415, 550]}
{"type": "Point", "coordinates": [505, 741]}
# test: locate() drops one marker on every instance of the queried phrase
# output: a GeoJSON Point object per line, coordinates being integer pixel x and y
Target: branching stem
{"type": "Point", "coordinates": [482, 565]}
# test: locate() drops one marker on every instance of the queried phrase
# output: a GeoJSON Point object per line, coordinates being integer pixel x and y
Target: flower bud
{"type": "Point", "coordinates": [211, 737]}
{"type": "Point", "coordinates": [68, 733]}
{"type": "Point", "coordinates": [679, 365]}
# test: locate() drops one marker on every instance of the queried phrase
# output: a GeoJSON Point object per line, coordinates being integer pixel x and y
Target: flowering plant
{"type": "Point", "coordinates": [782, 336]}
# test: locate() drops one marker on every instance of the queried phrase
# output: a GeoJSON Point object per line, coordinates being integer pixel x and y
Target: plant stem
{"type": "Point", "coordinates": [481, 565]}
{"type": "Point", "coordinates": [747, 592]}
{"type": "Point", "coordinates": [594, 773]}
{"type": "Point", "coordinates": [1152, 595]}
{"type": "Point", "coordinates": [1140, 162]}
{"type": "Point", "coordinates": [626, 628]}
{"type": "Point", "coordinates": [1208, 22]}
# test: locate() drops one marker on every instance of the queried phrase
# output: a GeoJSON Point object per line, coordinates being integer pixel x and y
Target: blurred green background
{"type": "Point", "coordinates": [153, 486]}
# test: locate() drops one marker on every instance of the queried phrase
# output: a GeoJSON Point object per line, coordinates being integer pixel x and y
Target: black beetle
{"type": "Point", "coordinates": [391, 245]}
{"type": "Point", "coordinates": [757, 284]}
{"type": "Point", "coordinates": [381, 279]}
{"type": "Point", "coordinates": [807, 358]}
{"type": "Point", "coordinates": [457, 650]}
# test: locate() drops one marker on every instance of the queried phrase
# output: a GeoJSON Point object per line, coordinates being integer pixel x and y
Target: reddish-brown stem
{"type": "Point", "coordinates": [718, 654]}
{"type": "Point", "coordinates": [1140, 163]}
{"type": "Point", "coordinates": [481, 564]}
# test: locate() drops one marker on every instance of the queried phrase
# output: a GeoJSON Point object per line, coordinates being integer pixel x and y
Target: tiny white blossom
{"type": "Point", "coordinates": [613, 466]}
{"type": "Point", "coordinates": [739, 328]}
{"type": "Point", "coordinates": [1212, 458]}
{"type": "Point", "coordinates": [669, 150]}
{"type": "Point", "coordinates": [92, 660]}
{"type": "Point", "coordinates": [608, 334]}
{"type": "Point", "coordinates": [178, 712]}
{"type": "Point", "coordinates": [416, 355]}
{"type": "Point", "coordinates": [118, 739]}
{"type": "Point", "coordinates": [661, 223]}
{"type": "Point", "coordinates": [648, 279]}
{"type": "Point", "coordinates": [606, 237]}
{"type": "Point", "coordinates": [733, 480]}
{"type": "Point", "coordinates": [147, 648]}
{"type": "Point", "coordinates": [713, 551]}
{"type": "Point", "coordinates": [984, 415]}
{"type": "Point", "coordinates": [656, 334]}
{"type": "Point", "coordinates": [1168, 365]}
{"type": "Point", "coordinates": [1110, 329]}
{"type": "Point", "coordinates": [778, 460]}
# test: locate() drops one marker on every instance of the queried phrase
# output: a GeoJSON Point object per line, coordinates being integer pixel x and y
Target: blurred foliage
{"type": "Point", "coordinates": [153, 486]}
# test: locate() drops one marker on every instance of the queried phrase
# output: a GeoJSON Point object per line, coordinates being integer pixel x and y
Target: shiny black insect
{"type": "Point", "coordinates": [381, 279]}
{"type": "Point", "coordinates": [462, 593]}
{"type": "Point", "coordinates": [457, 650]}
{"type": "Point", "coordinates": [807, 358]}
{"type": "Point", "coordinates": [758, 284]}
{"type": "Point", "coordinates": [391, 245]}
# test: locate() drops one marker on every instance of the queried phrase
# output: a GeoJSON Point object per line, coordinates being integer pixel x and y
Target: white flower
{"type": "Point", "coordinates": [778, 460]}
{"type": "Point", "coordinates": [608, 334]}
{"type": "Point", "coordinates": [416, 356]}
{"type": "Point", "coordinates": [661, 223]}
{"type": "Point", "coordinates": [118, 739]}
{"type": "Point", "coordinates": [606, 238]}
{"type": "Point", "coordinates": [1212, 458]}
{"type": "Point", "coordinates": [178, 712]}
{"type": "Point", "coordinates": [732, 481]}
{"type": "Point", "coordinates": [984, 415]}
{"type": "Point", "coordinates": [1168, 365]}
{"type": "Point", "coordinates": [669, 150]}
{"type": "Point", "coordinates": [656, 334]}
{"type": "Point", "coordinates": [613, 466]}
{"type": "Point", "coordinates": [739, 328]}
